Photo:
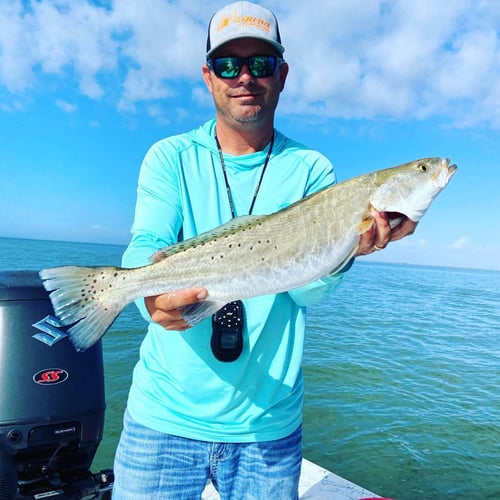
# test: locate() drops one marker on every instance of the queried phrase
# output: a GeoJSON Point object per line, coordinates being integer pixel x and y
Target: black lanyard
{"type": "Point", "coordinates": [228, 189]}
{"type": "Point", "coordinates": [227, 323]}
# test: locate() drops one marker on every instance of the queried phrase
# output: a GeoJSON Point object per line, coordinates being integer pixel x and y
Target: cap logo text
{"type": "Point", "coordinates": [256, 22]}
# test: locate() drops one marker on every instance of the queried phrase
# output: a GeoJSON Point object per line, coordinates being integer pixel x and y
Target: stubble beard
{"type": "Point", "coordinates": [240, 116]}
{"type": "Point", "coordinates": [247, 118]}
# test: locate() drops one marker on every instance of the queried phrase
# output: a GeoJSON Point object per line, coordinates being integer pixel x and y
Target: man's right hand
{"type": "Point", "coordinates": [165, 310]}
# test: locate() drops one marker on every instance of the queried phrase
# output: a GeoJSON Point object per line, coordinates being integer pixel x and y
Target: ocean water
{"type": "Point", "coordinates": [401, 367]}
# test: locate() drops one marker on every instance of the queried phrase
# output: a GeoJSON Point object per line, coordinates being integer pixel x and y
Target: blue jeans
{"type": "Point", "coordinates": [151, 465]}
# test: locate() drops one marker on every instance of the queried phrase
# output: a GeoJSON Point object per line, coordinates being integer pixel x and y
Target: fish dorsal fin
{"type": "Point", "coordinates": [231, 227]}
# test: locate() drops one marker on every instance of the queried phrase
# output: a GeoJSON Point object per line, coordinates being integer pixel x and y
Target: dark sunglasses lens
{"type": "Point", "coordinates": [227, 332]}
{"type": "Point", "coordinates": [262, 66]}
{"type": "Point", "coordinates": [227, 67]}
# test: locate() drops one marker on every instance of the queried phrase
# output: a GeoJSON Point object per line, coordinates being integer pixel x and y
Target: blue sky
{"type": "Point", "coordinates": [87, 86]}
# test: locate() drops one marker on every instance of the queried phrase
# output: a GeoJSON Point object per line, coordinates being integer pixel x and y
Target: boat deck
{"type": "Point", "coordinates": [316, 483]}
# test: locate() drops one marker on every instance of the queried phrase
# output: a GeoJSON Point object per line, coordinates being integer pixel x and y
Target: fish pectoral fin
{"type": "Point", "coordinates": [365, 225]}
{"type": "Point", "coordinates": [195, 313]}
{"type": "Point", "coordinates": [347, 262]}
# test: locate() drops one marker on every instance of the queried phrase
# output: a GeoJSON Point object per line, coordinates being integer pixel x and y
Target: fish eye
{"type": "Point", "coordinates": [422, 167]}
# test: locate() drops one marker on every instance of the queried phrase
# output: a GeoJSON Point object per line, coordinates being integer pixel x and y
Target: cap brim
{"type": "Point", "coordinates": [276, 46]}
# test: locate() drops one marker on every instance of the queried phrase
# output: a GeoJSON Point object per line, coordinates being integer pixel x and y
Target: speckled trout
{"type": "Point", "coordinates": [250, 255]}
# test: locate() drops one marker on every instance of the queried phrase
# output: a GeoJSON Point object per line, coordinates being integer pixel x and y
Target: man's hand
{"type": "Point", "coordinates": [164, 309]}
{"type": "Point", "coordinates": [380, 234]}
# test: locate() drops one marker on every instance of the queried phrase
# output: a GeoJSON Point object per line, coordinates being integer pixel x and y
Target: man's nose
{"type": "Point", "coordinates": [245, 73]}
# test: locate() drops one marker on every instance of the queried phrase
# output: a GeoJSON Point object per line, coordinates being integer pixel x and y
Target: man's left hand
{"type": "Point", "coordinates": [380, 234]}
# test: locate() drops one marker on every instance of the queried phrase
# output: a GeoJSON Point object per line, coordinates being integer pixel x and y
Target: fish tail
{"type": "Point", "coordinates": [81, 297]}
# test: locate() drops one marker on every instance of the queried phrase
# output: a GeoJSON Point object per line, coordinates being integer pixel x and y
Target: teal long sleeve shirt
{"type": "Point", "coordinates": [178, 386]}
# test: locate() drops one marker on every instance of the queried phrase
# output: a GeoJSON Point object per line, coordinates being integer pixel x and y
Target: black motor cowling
{"type": "Point", "coordinates": [52, 399]}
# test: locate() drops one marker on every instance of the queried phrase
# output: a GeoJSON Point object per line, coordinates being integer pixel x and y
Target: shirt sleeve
{"type": "Point", "coordinates": [158, 212]}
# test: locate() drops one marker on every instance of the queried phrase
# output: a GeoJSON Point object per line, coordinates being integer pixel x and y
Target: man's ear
{"type": "Point", "coordinates": [207, 77]}
{"type": "Point", "coordinates": [283, 74]}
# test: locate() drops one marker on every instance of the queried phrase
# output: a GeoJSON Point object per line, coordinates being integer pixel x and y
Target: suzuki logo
{"type": "Point", "coordinates": [52, 376]}
{"type": "Point", "coordinates": [51, 334]}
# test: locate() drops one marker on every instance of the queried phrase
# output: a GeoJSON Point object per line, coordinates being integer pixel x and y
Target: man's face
{"type": "Point", "coordinates": [246, 99]}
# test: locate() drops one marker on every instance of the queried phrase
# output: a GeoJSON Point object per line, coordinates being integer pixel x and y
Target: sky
{"type": "Point", "coordinates": [86, 87]}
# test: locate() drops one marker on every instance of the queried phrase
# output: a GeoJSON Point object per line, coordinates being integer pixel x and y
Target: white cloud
{"type": "Point", "coordinates": [399, 59]}
{"type": "Point", "coordinates": [158, 113]}
{"type": "Point", "coordinates": [65, 106]}
{"type": "Point", "coordinates": [461, 242]}
{"type": "Point", "coordinates": [349, 58]}
{"type": "Point", "coordinates": [61, 37]}
{"type": "Point", "coordinates": [12, 106]}
{"type": "Point", "coordinates": [164, 44]}
{"type": "Point", "coordinates": [202, 96]}
{"type": "Point", "coordinates": [16, 62]}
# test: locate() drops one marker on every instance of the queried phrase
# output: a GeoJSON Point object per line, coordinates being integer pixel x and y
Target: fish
{"type": "Point", "coordinates": [250, 255]}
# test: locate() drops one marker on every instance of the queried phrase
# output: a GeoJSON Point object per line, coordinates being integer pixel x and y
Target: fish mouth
{"type": "Point", "coordinates": [445, 172]}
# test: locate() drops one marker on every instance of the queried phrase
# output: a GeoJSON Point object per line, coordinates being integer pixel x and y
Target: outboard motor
{"type": "Point", "coordinates": [52, 400]}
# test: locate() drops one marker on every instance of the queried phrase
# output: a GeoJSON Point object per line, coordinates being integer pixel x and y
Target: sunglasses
{"type": "Point", "coordinates": [230, 67]}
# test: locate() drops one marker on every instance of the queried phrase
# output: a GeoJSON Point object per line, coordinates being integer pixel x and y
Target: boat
{"type": "Point", "coordinates": [316, 483]}
{"type": "Point", "coordinates": [49, 437]}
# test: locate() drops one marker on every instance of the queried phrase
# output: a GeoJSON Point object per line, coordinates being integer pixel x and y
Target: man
{"type": "Point", "coordinates": [223, 400]}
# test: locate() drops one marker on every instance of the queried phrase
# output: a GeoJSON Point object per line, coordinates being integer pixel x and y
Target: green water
{"type": "Point", "coordinates": [401, 371]}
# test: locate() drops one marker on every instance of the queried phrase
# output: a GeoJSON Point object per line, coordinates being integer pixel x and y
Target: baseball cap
{"type": "Point", "coordinates": [243, 20]}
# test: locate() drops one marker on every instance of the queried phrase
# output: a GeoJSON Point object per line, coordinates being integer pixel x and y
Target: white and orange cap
{"type": "Point", "coordinates": [243, 20]}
